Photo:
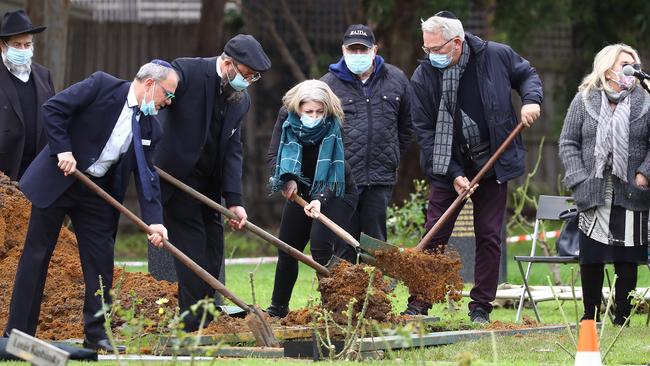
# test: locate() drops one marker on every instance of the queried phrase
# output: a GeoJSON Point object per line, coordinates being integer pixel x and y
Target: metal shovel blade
{"type": "Point", "coordinates": [371, 245]}
{"type": "Point", "coordinates": [333, 262]}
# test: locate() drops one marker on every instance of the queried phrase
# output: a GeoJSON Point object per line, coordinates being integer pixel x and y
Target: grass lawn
{"type": "Point", "coordinates": [633, 347]}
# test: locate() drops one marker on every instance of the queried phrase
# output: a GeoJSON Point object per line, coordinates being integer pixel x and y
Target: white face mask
{"type": "Point", "coordinates": [310, 122]}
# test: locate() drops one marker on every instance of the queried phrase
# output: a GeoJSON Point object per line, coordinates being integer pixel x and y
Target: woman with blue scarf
{"type": "Point", "coordinates": [306, 157]}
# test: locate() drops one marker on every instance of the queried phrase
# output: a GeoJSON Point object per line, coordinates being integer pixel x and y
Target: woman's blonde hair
{"type": "Point", "coordinates": [605, 60]}
{"type": "Point", "coordinates": [313, 91]}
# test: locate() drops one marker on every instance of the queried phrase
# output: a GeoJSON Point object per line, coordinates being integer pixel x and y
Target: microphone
{"type": "Point", "coordinates": [629, 70]}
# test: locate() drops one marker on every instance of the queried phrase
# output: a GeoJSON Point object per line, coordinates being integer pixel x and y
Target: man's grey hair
{"type": "Point", "coordinates": [153, 71]}
{"type": "Point", "coordinates": [450, 28]}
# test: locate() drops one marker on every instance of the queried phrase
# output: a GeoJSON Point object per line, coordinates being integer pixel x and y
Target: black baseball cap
{"type": "Point", "coordinates": [246, 50]}
{"type": "Point", "coordinates": [359, 34]}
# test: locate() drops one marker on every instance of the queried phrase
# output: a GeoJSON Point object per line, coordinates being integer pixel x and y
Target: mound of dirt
{"type": "Point", "coordinates": [61, 310]}
{"type": "Point", "coordinates": [429, 276]}
{"type": "Point", "coordinates": [349, 282]}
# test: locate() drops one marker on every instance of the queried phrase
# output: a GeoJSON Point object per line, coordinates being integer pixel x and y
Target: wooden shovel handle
{"type": "Point", "coordinates": [293, 252]}
{"type": "Point", "coordinates": [462, 197]}
{"type": "Point", "coordinates": [329, 223]}
{"type": "Point", "coordinates": [187, 261]}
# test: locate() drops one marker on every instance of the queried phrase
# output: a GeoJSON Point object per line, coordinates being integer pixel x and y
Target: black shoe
{"type": "Point", "coordinates": [416, 308]}
{"type": "Point", "coordinates": [102, 345]}
{"type": "Point", "coordinates": [620, 320]}
{"type": "Point", "coordinates": [479, 316]}
{"type": "Point", "coordinates": [277, 311]}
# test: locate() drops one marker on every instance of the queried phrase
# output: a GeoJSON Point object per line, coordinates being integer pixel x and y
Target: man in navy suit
{"type": "Point", "coordinates": [104, 127]}
{"type": "Point", "coordinates": [202, 147]}
{"type": "Point", "coordinates": [24, 87]}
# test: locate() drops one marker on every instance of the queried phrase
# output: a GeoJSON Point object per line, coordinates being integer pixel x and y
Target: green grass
{"type": "Point", "coordinates": [632, 348]}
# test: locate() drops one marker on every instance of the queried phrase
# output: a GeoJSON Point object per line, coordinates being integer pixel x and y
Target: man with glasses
{"type": "Point", "coordinates": [462, 112]}
{"type": "Point", "coordinates": [202, 147]}
{"type": "Point", "coordinates": [24, 87]}
{"type": "Point", "coordinates": [377, 128]}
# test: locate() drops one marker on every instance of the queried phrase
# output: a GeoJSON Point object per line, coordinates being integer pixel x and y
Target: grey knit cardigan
{"type": "Point", "coordinates": [577, 143]}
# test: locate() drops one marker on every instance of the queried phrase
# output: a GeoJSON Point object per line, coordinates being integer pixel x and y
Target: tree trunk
{"type": "Point", "coordinates": [209, 38]}
{"type": "Point", "coordinates": [51, 45]}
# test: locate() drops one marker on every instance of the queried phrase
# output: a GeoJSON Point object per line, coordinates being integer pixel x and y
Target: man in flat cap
{"type": "Point", "coordinates": [375, 98]}
{"type": "Point", "coordinates": [24, 87]}
{"type": "Point", "coordinates": [462, 112]}
{"type": "Point", "coordinates": [106, 128]}
{"type": "Point", "coordinates": [205, 152]}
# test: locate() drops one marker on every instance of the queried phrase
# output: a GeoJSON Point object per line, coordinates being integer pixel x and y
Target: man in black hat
{"type": "Point", "coordinates": [462, 112]}
{"type": "Point", "coordinates": [205, 152]}
{"type": "Point", "coordinates": [24, 87]}
{"type": "Point", "coordinates": [377, 128]}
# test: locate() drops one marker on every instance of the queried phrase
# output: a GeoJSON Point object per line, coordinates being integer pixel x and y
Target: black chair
{"type": "Point", "coordinates": [548, 208]}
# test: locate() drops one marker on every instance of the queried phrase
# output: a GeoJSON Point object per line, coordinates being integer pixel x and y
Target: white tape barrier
{"type": "Point", "coordinates": [520, 238]}
{"type": "Point", "coordinates": [229, 262]}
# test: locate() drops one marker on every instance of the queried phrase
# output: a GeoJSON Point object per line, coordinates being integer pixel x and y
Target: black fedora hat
{"type": "Point", "coordinates": [17, 22]}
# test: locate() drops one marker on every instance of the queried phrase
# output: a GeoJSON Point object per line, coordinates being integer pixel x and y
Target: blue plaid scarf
{"type": "Point", "coordinates": [330, 167]}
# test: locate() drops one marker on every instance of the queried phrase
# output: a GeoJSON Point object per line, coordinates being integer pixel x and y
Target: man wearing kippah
{"type": "Point", "coordinates": [106, 128]}
{"type": "Point", "coordinates": [202, 148]}
{"type": "Point", "coordinates": [24, 87]}
{"type": "Point", "coordinates": [462, 112]}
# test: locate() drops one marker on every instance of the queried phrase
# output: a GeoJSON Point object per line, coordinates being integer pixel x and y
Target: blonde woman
{"type": "Point", "coordinates": [306, 157]}
{"type": "Point", "coordinates": [605, 152]}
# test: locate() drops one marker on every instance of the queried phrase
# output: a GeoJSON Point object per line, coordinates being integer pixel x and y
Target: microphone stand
{"type": "Point", "coordinates": [645, 85]}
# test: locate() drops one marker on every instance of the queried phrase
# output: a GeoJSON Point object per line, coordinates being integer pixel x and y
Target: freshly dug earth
{"type": "Point", "coordinates": [61, 311]}
{"type": "Point", "coordinates": [429, 276]}
{"type": "Point", "coordinates": [349, 282]}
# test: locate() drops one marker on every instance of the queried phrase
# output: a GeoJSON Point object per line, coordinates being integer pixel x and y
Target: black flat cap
{"type": "Point", "coordinates": [247, 51]}
{"type": "Point", "coordinates": [446, 14]}
{"type": "Point", "coordinates": [17, 22]}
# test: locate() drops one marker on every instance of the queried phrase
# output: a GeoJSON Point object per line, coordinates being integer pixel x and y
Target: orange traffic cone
{"type": "Point", "coordinates": [588, 353]}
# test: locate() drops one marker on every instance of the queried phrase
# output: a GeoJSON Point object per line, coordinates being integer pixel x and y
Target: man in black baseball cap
{"type": "Point", "coordinates": [377, 127]}
{"type": "Point", "coordinates": [25, 87]}
{"type": "Point", "coordinates": [206, 153]}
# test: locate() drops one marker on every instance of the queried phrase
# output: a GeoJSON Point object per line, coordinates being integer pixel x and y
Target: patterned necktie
{"type": "Point", "coordinates": [146, 176]}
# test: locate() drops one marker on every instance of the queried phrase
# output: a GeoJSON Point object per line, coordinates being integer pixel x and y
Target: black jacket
{"type": "Point", "coordinates": [309, 158]}
{"type": "Point", "coordinates": [187, 123]}
{"type": "Point", "coordinates": [80, 119]}
{"type": "Point", "coordinates": [499, 70]}
{"type": "Point", "coordinates": [12, 128]}
{"type": "Point", "coordinates": [377, 126]}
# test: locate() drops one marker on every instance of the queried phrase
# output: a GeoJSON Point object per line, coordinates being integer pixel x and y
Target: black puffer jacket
{"type": "Point", "coordinates": [377, 126]}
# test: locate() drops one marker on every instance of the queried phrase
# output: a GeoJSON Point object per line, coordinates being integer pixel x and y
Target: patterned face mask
{"type": "Point", "coordinates": [624, 82]}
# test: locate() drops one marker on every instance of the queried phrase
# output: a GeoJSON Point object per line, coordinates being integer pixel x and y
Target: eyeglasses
{"type": "Point", "coordinates": [436, 49]}
{"type": "Point", "coordinates": [250, 78]}
{"type": "Point", "coordinates": [168, 95]}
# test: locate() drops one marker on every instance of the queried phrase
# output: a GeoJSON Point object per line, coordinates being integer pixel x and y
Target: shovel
{"type": "Point", "coordinates": [293, 252]}
{"type": "Point", "coordinates": [255, 320]}
{"type": "Point", "coordinates": [336, 229]}
{"type": "Point", "coordinates": [370, 245]}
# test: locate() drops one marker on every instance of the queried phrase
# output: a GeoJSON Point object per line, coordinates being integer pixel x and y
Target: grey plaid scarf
{"type": "Point", "coordinates": [613, 136]}
{"type": "Point", "coordinates": [442, 143]}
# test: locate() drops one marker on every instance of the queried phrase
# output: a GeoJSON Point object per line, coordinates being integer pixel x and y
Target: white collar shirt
{"type": "Point", "coordinates": [120, 139]}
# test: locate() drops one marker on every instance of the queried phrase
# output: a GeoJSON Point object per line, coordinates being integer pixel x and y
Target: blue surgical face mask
{"type": "Point", "coordinates": [440, 61]}
{"type": "Point", "coordinates": [149, 108]}
{"type": "Point", "coordinates": [18, 56]}
{"type": "Point", "coordinates": [310, 122]}
{"type": "Point", "coordinates": [359, 63]}
{"type": "Point", "coordinates": [238, 82]}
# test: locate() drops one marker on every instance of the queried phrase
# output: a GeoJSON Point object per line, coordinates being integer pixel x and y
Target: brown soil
{"type": "Point", "coordinates": [349, 282]}
{"type": "Point", "coordinates": [61, 311]}
{"type": "Point", "coordinates": [429, 276]}
{"type": "Point", "coordinates": [299, 317]}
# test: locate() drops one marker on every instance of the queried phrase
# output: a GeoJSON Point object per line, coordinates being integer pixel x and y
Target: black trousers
{"type": "Point", "coordinates": [296, 229]}
{"type": "Point", "coordinates": [197, 231]}
{"type": "Point", "coordinates": [592, 276]}
{"type": "Point", "coordinates": [370, 214]}
{"type": "Point", "coordinates": [95, 225]}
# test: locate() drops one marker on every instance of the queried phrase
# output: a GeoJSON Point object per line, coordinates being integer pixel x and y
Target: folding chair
{"type": "Point", "coordinates": [548, 208]}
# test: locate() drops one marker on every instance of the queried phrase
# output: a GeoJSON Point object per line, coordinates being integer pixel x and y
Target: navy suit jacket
{"type": "Point", "coordinates": [187, 124]}
{"type": "Point", "coordinates": [12, 127]}
{"type": "Point", "coordinates": [80, 119]}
